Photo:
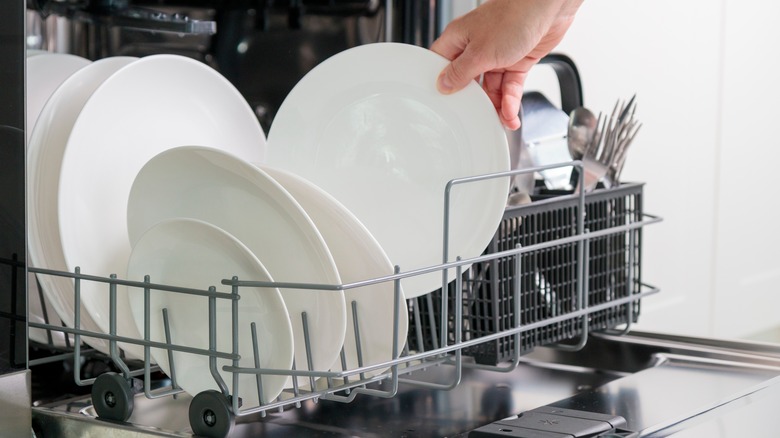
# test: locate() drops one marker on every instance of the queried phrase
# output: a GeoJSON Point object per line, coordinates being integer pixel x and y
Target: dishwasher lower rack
{"type": "Point", "coordinates": [473, 316]}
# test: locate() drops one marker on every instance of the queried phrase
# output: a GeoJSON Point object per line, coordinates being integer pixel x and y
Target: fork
{"type": "Point", "coordinates": [605, 155]}
{"type": "Point", "coordinates": [594, 164]}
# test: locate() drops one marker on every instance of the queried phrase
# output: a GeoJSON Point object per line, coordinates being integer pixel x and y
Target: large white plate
{"type": "Point", "coordinates": [219, 188]}
{"type": "Point", "coordinates": [149, 106]}
{"type": "Point", "coordinates": [45, 72]}
{"type": "Point", "coordinates": [358, 257]}
{"type": "Point", "coordinates": [369, 127]}
{"type": "Point", "coordinates": [194, 254]}
{"type": "Point", "coordinates": [44, 154]}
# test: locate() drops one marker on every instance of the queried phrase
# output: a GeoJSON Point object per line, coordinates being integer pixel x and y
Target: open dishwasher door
{"type": "Point", "coordinates": [634, 385]}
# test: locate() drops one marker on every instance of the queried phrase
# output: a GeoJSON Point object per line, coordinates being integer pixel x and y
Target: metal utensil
{"type": "Point", "coordinates": [582, 127]}
{"type": "Point", "coordinates": [604, 156]}
{"type": "Point", "coordinates": [544, 128]}
{"type": "Point", "coordinates": [624, 131]}
{"type": "Point", "coordinates": [593, 164]}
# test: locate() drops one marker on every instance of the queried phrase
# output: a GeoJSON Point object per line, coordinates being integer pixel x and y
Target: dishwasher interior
{"type": "Point", "coordinates": [533, 338]}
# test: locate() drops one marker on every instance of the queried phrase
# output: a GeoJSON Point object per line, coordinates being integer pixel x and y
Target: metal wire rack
{"type": "Point", "coordinates": [450, 333]}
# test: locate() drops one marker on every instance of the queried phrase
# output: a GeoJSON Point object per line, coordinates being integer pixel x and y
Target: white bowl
{"type": "Point", "coordinates": [358, 257]}
{"type": "Point", "coordinates": [369, 127]}
{"type": "Point", "coordinates": [219, 188]}
{"type": "Point", "coordinates": [146, 107]}
{"type": "Point", "coordinates": [197, 255]}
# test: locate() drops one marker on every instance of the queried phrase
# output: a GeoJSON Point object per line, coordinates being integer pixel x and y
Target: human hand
{"type": "Point", "coordinates": [502, 40]}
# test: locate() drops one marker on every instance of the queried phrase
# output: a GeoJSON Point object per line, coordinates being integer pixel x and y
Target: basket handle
{"type": "Point", "coordinates": [568, 80]}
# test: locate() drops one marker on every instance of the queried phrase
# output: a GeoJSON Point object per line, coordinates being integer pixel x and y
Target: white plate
{"type": "Point", "coordinates": [45, 72]}
{"type": "Point", "coordinates": [35, 52]}
{"type": "Point", "coordinates": [369, 127]}
{"type": "Point", "coordinates": [358, 257]}
{"type": "Point", "coordinates": [44, 154]}
{"type": "Point", "coordinates": [149, 106]}
{"type": "Point", "coordinates": [35, 311]}
{"type": "Point", "coordinates": [221, 189]}
{"type": "Point", "coordinates": [194, 254]}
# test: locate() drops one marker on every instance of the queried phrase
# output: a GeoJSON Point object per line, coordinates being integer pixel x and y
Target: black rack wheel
{"type": "Point", "coordinates": [112, 397]}
{"type": "Point", "coordinates": [211, 415]}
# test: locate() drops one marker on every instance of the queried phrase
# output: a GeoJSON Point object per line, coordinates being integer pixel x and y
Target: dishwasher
{"type": "Point", "coordinates": [533, 338]}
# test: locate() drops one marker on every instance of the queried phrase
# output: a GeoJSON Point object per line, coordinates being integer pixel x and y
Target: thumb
{"type": "Point", "coordinates": [460, 72]}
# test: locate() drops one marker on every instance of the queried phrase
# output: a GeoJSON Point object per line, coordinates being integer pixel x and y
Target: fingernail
{"type": "Point", "coordinates": [444, 84]}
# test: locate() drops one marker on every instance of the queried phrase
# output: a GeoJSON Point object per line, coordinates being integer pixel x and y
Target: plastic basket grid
{"type": "Point", "coordinates": [548, 277]}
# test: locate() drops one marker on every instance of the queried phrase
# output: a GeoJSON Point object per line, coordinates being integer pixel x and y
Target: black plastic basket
{"type": "Point", "coordinates": [548, 277]}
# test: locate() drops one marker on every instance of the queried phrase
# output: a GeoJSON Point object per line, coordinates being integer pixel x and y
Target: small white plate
{"type": "Point", "coordinates": [153, 104]}
{"type": "Point", "coordinates": [358, 257]}
{"type": "Point", "coordinates": [221, 189]}
{"type": "Point", "coordinates": [44, 155]}
{"type": "Point", "coordinates": [369, 127]}
{"type": "Point", "coordinates": [194, 254]}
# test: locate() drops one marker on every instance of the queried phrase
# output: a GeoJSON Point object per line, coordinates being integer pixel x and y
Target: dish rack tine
{"type": "Point", "coordinates": [167, 328]}
{"type": "Point", "coordinates": [307, 343]}
{"type": "Point", "coordinates": [343, 357]}
{"type": "Point", "coordinates": [213, 344]}
{"type": "Point", "coordinates": [256, 351]}
{"type": "Point", "coordinates": [77, 327]}
{"type": "Point", "coordinates": [112, 347]}
{"type": "Point", "coordinates": [358, 344]}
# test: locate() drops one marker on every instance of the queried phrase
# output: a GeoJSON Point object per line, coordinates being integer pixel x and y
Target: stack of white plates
{"type": "Point", "coordinates": [45, 72]}
{"type": "Point", "coordinates": [157, 167]}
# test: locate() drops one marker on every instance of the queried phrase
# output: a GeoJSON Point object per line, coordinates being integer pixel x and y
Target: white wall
{"type": "Point", "coordinates": [747, 268]}
{"type": "Point", "coordinates": [705, 76]}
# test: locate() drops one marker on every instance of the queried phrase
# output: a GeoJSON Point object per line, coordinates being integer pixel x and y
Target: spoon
{"type": "Point", "coordinates": [582, 126]}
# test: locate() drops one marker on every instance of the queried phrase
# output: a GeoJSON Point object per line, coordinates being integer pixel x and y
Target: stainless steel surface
{"type": "Point", "coordinates": [674, 381]}
{"type": "Point", "coordinates": [660, 385]}
{"type": "Point", "coordinates": [754, 415]}
{"type": "Point", "coordinates": [483, 396]}
{"type": "Point", "coordinates": [15, 414]}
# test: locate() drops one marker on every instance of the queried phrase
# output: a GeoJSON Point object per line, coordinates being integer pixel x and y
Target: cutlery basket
{"type": "Point", "coordinates": [548, 278]}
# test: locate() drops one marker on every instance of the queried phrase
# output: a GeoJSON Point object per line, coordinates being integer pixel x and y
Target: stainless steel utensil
{"type": "Point", "coordinates": [582, 127]}
{"type": "Point", "coordinates": [604, 156]}
{"type": "Point", "coordinates": [593, 164]}
{"type": "Point", "coordinates": [544, 138]}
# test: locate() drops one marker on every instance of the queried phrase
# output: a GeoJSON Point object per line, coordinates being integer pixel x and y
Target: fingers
{"type": "Point", "coordinates": [509, 112]}
{"type": "Point", "coordinates": [511, 95]}
{"type": "Point", "coordinates": [491, 83]}
{"type": "Point", "coordinates": [449, 45]}
{"type": "Point", "coordinates": [505, 90]}
{"type": "Point", "coordinates": [461, 71]}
